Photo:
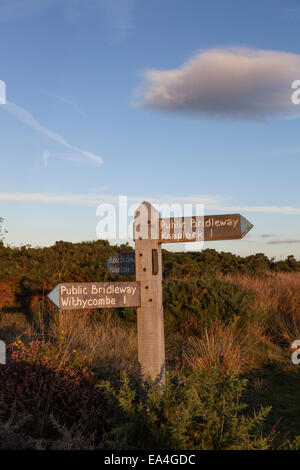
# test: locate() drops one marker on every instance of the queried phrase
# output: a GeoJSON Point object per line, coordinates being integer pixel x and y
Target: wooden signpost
{"type": "Point", "coordinates": [206, 228]}
{"type": "Point", "coordinates": [150, 231]}
{"type": "Point", "coordinates": [73, 296]}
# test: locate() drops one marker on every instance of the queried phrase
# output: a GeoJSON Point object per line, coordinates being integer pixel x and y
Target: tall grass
{"type": "Point", "coordinates": [276, 304]}
{"type": "Point", "coordinates": [223, 347]}
{"type": "Point", "coordinates": [110, 344]}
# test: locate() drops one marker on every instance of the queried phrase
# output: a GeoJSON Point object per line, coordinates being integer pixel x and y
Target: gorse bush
{"type": "Point", "coordinates": [42, 380]}
{"type": "Point", "coordinates": [190, 305]}
{"type": "Point", "coordinates": [36, 270]}
{"type": "Point", "coordinates": [209, 261]}
{"type": "Point", "coordinates": [204, 411]}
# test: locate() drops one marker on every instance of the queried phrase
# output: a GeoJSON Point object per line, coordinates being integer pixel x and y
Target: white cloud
{"type": "Point", "coordinates": [59, 156]}
{"type": "Point", "coordinates": [29, 120]}
{"type": "Point", "coordinates": [56, 199]}
{"type": "Point", "coordinates": [213, 203]}
{"type": "Point", "coordinates": [230, 83]}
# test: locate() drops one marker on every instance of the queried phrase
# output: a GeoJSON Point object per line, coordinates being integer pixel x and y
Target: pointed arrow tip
{"type": "Point", "coordinates": [54, 295]}
{"type": "Point", "coordinates": [246, 226]}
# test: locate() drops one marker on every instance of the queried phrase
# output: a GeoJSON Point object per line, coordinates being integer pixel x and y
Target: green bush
{"type": "Point", "coordinates": [204, 411]}
{"type": "Point", "coordinates": [204, 300]}
{"type": "Point", "coordinates": [35, 271]}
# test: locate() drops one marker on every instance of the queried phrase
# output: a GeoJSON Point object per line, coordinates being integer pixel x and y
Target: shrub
{"type": "Point", "coordinates": [41, 380]}
{"type": "Point", "coordinates": [13, 437]}
{"type": "Point", "coordinates": [203, 301]}
{"type": "Point", "coordinates": [204, 411]}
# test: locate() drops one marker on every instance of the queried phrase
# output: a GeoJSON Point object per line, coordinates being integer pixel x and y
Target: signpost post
{"type": "Point", "coordinates": [150, 231]}
{"type": "Point", "coordinates": [150, 319]}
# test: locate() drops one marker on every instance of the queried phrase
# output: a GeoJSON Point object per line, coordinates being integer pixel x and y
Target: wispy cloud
{"type": "Point", "coordinates": [210, 202]}
{"type": "Point", "coordinates": [29, 120]}
{"type": "Point", "coordinates": [290, 241]}
{"type": "Point", "coordinates": [119, 14]}
{"type": "Point", "coordinates": [226, 83]}
{"type": "Point", "coordinates": [95, 199]}
{"type": "Point", "coordinates": [85, 200]}
{"type": "Point", "coordinates": [59, 156]}
{"type": "Point", "coordinates": [70, 103]}
{"type": "Point", "coordinates": [264, 209]}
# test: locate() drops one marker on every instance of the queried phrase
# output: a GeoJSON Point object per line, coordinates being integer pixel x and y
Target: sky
{"type": "Point", "coordinates": [168, 100]}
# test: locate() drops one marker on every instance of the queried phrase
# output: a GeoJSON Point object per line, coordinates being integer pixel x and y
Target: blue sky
{"type": "Point", "coordinates": [155, 100]}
